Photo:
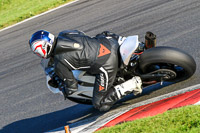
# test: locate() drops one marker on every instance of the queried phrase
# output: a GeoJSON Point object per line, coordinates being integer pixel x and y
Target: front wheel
{"type": "Point", "coordinates": [176, 64]}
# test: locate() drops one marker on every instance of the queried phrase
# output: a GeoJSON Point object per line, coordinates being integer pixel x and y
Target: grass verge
{"type": "Point", "coordinates": [13, 11]}
{"type": "Point", "coordinates": [181, 120]}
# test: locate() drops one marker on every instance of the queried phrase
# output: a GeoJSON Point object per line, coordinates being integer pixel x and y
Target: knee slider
{"type": "Point", "coordinates": [104, 108]}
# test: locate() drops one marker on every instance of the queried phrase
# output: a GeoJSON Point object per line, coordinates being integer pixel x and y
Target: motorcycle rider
{"type": "Point", "coordinates": [98, 55]}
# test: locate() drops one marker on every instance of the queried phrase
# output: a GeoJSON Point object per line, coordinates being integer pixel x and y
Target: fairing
{"type": "Point", "coordinates": [128, 47]}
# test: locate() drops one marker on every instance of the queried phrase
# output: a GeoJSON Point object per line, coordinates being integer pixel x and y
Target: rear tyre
{"type": "Point", "coordinates": [180, 63]}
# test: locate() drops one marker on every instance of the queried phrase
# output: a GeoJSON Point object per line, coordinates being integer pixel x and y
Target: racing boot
{"type": "Point", "coordinates": [116, 93]}
{"type": "Point", "coordinates": [132, 85]}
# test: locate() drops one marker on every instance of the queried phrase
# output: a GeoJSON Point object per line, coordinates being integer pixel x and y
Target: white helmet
{"type": "Point", "coordinates": [42, 43]}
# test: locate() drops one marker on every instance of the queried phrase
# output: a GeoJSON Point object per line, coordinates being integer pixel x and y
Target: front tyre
{"type": "Point", "coordinates": [162, 58]}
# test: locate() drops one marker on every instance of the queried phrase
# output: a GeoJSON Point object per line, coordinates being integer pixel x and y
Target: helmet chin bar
{"type": "Point", "coordinates": [40, 48]}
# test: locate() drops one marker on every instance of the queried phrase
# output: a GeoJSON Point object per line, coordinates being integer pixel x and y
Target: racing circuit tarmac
{"type": "Point", "coordinates": [26, 105]}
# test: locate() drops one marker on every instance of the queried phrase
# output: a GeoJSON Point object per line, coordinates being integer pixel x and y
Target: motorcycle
{"type": "Point", "coordinates": [155, 64]}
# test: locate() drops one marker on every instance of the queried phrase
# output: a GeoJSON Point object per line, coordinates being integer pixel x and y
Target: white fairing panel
{"type": "Point", "coordinates": [44, 63]}
{"type": "Point", "coordinates": [79, 75]}
{"type": "Point", "coordinates": [83, 90]}
{"type": "Point", "coordinates": [128, 47]}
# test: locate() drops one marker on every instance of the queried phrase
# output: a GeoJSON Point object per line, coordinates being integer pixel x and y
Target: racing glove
{"type": "Point", "coordinates": [54, 81]}
{"type": "Point", "coordinates": [66, 91]}
{"type": "Point", "coordinates": [110, 34]}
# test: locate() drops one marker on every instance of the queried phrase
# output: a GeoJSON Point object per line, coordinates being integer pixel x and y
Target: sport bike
{"type": "Point", "coordinates": [154, 64]}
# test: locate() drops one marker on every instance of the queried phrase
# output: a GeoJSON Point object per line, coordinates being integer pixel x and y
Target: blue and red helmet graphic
{"type": "Point", "coordinates": [41, 43]}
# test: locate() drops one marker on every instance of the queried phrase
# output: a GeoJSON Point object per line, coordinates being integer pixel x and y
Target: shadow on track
{"type": "Point", "coordinates": [146, 91]}
{"type": "Point", "coordinates": [50, 121]}
{"type": "Point", "coordinates": [66, 116]}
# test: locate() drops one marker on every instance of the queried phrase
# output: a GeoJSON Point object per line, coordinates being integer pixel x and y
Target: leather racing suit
{"type": "Point", "coordinates": [96, 55]}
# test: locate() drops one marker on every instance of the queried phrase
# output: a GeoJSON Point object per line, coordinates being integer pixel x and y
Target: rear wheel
{"type": "Point", "coordinates": [174, 63]}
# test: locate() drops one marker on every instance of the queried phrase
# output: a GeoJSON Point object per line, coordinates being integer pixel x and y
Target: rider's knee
{"type": "Point", "coordinates": [96, 104]}
{"type": "Point", "coordinates": [104, 108]}
{"type": "Point", "coordinates": [101, 108]}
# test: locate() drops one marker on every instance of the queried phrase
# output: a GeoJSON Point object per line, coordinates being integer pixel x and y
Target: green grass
{"type": "Point", "coordinates": [13, 11]}
{"type": "Point", "coordinates": [181, 120]}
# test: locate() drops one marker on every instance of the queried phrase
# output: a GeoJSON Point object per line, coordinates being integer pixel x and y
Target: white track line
{"type": "Point", "coordinates": [38, 15]}
{"type": "Point", "coordinates": [198, 103]}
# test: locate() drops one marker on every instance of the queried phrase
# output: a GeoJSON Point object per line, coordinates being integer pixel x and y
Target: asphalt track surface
{"type": "Point", "coordinates": [26, 105]}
